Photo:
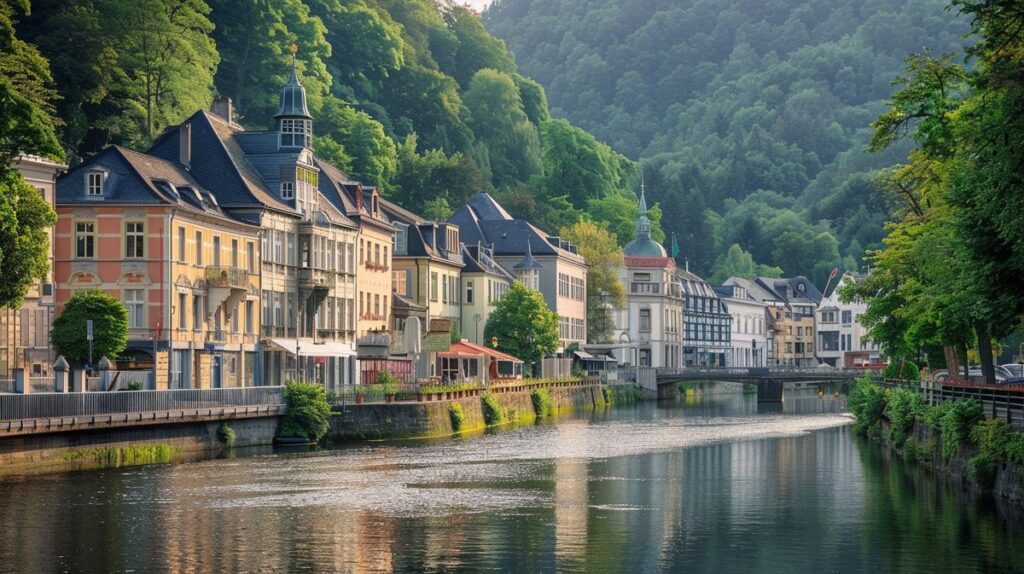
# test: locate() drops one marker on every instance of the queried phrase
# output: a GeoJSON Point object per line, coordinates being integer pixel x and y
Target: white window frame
{"type": "Point", "coordinates": [94, 184]}
{"type": "Point", "coordinates": [287, 190]}
{"type": "Point", "coordinates": [135, 302]}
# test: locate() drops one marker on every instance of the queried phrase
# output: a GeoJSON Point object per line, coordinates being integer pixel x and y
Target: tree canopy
{"type": "Point", "coordinates": [523, 324]}
{"type": "Point", "coordinates": [724, 100]}
{"type": "Point", "coordinates": [110, 327]}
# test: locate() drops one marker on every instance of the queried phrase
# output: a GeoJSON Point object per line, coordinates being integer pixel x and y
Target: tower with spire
{"type": "Point", "coordinates": [642, 245]}
{"type": "Point", "coordinates": [527, 271]}
{"type": "Point", "coordinates": [294, 124]}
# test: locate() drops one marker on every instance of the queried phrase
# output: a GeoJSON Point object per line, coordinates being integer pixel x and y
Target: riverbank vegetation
{"type": "Point", "coordinates": [119, 456]}
{"type": "Point", "coordinates": [894, 416]}
{"type": "Point", "coordinates": [308, 415]}
{"type": "Point", "coordinates": [948, 277]}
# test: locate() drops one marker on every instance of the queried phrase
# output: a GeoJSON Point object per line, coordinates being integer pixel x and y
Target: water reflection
{"type": "Point", "coordinates": [715, 484]}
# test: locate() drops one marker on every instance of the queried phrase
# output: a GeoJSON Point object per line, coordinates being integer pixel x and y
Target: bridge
{"type": "Point", "coordinates": [770, 381]}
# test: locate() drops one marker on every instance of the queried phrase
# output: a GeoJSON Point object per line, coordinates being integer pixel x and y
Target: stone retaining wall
{"type": "Point", "coordinates": [433, 419]}
{"type": "Point", "coordinates": [59, 452]}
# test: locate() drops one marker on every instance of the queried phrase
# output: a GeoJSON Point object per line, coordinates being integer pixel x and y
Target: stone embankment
{"type": "Point", "coordinates": [436, 419]}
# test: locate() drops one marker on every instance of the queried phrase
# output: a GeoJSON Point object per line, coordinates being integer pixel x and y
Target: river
{"type": "Point", "coordinates": [708, 484]}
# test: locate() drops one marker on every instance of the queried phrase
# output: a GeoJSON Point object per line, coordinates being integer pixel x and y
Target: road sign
{"type": "Point", "coordinates": [88, 329]}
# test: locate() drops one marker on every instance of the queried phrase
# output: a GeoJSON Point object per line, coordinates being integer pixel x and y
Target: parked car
{"type": "Point", "coordinates": [1012, 382]}
{"type": "Point", "coordinates": [1016, 369]}
{"type": "Point", "coordinates": [1002, 373]}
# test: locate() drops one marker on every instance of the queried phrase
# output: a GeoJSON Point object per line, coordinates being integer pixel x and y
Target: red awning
{"type": "Point", "coordinates": [467, 350]}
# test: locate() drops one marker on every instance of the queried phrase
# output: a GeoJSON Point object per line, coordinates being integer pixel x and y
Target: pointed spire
{"type": "Point", "coordinates": [643, 198]}
{"type": "Point", "coordinates": [528, 261]}
{"type": "Point", "coordinates": [293, 95]}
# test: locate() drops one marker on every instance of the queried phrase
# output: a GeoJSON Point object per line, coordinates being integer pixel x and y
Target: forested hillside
{"type": "Point", "coordinates": [751, 116]}
{"type": "Point", "coordinates": [410, 95]}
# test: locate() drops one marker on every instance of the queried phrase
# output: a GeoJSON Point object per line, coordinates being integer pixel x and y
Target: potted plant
{"type": "Point", "coordinates": [360, 394]}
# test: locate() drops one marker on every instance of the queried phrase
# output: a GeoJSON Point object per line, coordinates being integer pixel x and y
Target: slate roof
{"type": "Point", "coordinates": [478, 261]}
{"type": "Point", "coordinates": [417, 242]}
{"type": "Point", "coordinates": [756, 291]}
{"type": "Point", "coordinates": [483, 220]}
{"type": "Point", "coordinates": [133, 178]}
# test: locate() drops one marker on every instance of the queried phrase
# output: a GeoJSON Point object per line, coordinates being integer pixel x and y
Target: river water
{"type": "Point", "coordinates": [708, 484]}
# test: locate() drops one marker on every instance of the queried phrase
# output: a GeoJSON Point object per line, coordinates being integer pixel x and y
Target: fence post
{"type": "Point", "coordinates": [60, 375]}
{"type": "Point", "coordinates": [78, 381]}
{"type": "Point", "coordinates": [21, 383]}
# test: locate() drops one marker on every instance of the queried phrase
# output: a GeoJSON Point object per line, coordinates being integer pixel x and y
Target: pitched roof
{"type": "Point", "coordinates": [137, 178]}
{"type": "Point", "coordinates": [478, 261]}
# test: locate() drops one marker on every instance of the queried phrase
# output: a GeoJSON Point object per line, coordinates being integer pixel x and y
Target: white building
{"type": "Point", "coordinates": [649, 327]}
{"type": "Point", "coordinates": [749, 342]}
{"type": "Point", "coordinates": [841, 337]}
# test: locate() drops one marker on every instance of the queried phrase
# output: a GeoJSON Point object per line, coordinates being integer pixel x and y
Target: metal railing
{"type": "Point", "coordinates": [998, 402]}
{"type": "Point", "coordinates": [53, 405]}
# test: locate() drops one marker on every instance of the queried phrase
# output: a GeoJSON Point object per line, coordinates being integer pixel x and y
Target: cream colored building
{"type": "Point", "coordinates": [25, 332]}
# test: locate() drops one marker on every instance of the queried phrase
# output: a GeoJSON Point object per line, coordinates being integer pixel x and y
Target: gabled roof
{"type": "Point", "coordinates": [139, 179]}
{"type": "Point", "coordinates": [478, 261]}
{"type": "Point", "coordinates": [219, 162]}
{"type": "Point", "coordinates": [482, 220]}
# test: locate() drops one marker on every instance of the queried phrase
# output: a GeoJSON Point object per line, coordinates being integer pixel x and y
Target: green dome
{"type": "Point", "coordinates": [644, 247]}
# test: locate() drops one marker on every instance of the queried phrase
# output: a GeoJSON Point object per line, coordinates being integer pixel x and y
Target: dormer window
{"type": "Point", "coordinates": [287, 190]}
{"type": "Point", "coordinates": [296, 132]}
{"type": "Point", "coordinates": [94, 184]}
{"type": "Point", "coordinates": [375, 204]}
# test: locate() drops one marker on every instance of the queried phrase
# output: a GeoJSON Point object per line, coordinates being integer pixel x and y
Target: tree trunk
{"type": "Point", "coordinates": [988, 370]}
{"type": "Point", "coordinates": [952, 361]}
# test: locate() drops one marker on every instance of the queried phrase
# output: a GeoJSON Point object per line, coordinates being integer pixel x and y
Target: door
{"type": "Point", "coordinates": [215, 372]}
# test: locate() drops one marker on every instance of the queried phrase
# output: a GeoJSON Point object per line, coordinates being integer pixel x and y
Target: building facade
{"type": "Point", "coordinates": [707, 324]}
{"type": "Point", "coordinates": [749, 338]}
{"type": "Point", "coordinates": [562, 273]}
{"type": "Point", "coordinates": [316, 283]}
{"type": "Point", "coordinates": [484, 283]}
{"type": "Point", "coordinates": [841, 337]}
{"type": "Point", "coordinates": [25, 331]}
{"type": "Point", "coordinates": [790, 305]}
{"type": "Point", "coordinates": [144, 231]}
{"type": "Point", "coordinates": [648, 329]}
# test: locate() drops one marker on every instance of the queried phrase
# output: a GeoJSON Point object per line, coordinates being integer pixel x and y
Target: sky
{"type": "Point", "coordinates": [478, 4]}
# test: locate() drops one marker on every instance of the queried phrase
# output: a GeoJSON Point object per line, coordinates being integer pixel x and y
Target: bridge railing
{"type": "Point", "coordinates": [55, 405]}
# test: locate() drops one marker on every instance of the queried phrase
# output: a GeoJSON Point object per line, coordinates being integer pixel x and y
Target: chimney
{"type": "Point", "coordinates": [224, 108]}
{"type": "Point", "coordinates": [185, 144]}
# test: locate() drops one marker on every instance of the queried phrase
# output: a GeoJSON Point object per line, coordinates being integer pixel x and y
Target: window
{"type": "Point", "coordinates": [295, 132]}
{"type": "Point", "coordinates": [181, 311]}
{"type": "Point", "coordinates": [181, 244]}
{"type": "Point", "coordinates": [469, 292]}
{"type": "Point", "coordinates": [287, 190]}
{"type": "Point", "coordinates": [249, 307]}
{"type": "Point", "coordinates": [433, 286]}
{"type": "Point", "coordinates": [135, 301]}
{"type": "Point", "coordinates": [234, 319]}
{"type": "Point", "coordinates": [199, 248]}
{"type": "Point", "coordinates": [94, 184]}
{"type": "Point", "coordinates": [847, 317]}
{"type": "Point", "coordinates": [216, 250]}
{"type": "Point", "coordinates": [197, 313]}
{"type": "Point", "coordinates": [250, 256]}
{"type": "Point", "coordinates": [444, 288]}
{"type": "Point", "coordinates": [645, 319]}
{"type": "Point", "coordinates": [234, 253]}
{"type": "Point", "coordinates": [85, 240]}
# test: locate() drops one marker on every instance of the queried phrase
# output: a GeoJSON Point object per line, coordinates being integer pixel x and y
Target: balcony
{"type": "Point", "coordinates": [226, 286]}
{"type": "Point", "coordinates": [645, 288]}
{"type": "Point", "coordinates": [314, 279]}
{"type": "Point", "coordinates": [227, 277]}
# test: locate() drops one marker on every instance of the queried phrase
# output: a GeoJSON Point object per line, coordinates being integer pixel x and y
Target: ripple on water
{"type": "Point", "coordinates": [497, 471]}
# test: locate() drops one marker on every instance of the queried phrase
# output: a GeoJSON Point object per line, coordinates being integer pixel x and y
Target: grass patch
{"type": "Point", "coordinates": [624, 394]}
{"type": "Point", "coordinates": [458, 417]}
{"type": "Point", "coordinates": [541, 402]}
{"type": "Point", "coordinates": [494, 413]}
{"type": "Point", "coordinates": [116, 457]}
{"type": "Point", "coordinates": [226, 434]}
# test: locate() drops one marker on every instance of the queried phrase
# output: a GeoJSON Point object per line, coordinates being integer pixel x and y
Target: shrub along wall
{"type": "Point", "coordinates": [952, 438]}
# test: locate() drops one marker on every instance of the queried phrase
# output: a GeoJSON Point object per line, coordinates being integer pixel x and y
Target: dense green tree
{"type": "Point", "coordinates": [738, 263]}
{"type": "Point", "coordinates": [254, 40]}
{"type": "Point", "coordinates": [25, 222]}
{"type": "Point", "coordinates": [168, 58]}
{"type": "Point", "coordinates": [523, 324]}
{"type": "Point", "coordinates": [110, 327]}
{"type": "Point", "coordinates": [354, 141]}
{"type": "Point", "coordinates": [498, 120]}
{"type": "Point", "coordinates": [726, 98]}
{"type": "Point", "coordinates": [604, 288]}
{"type": "Point", "coordinates": [431, 175]}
